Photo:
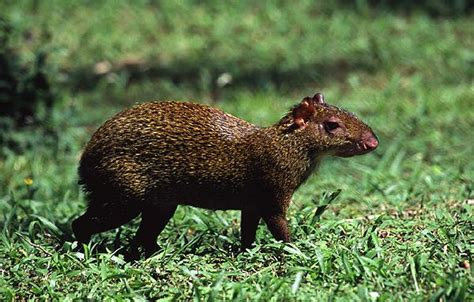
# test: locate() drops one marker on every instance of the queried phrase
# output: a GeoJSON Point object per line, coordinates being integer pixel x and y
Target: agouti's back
{"type": "Point", "coordinates": [149, 159]}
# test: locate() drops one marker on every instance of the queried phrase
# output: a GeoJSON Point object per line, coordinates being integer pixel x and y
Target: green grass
{"type": "Point", "coordinates": [401, 229]}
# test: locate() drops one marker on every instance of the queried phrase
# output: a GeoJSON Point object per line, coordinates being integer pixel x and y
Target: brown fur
{"type": "Point", "coordinates": [154, 156]}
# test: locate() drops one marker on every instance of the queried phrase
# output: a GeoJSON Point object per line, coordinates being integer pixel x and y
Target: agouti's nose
{"type": "Point", "coordinates": [370, 141]}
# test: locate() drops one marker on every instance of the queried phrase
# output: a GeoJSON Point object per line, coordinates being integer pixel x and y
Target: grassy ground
{"type": "Point", "coordinates": [401, 229]}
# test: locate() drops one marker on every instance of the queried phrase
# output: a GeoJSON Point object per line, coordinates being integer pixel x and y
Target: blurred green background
{"type": "Point", "coordinates": [401, 227]}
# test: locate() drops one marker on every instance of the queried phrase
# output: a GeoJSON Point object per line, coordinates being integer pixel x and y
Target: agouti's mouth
{"type": "Point", "coordinates": [366, 145]}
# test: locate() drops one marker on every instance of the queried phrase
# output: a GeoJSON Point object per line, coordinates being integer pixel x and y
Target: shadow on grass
{"type": "Point", "coordinates": [433, 8]}
{"type": "Point", "coordinates": [194, 74]}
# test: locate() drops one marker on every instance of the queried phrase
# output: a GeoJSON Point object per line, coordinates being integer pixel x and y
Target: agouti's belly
{"type": "Point", "coordinates": [214, 197]}
{"type": "Point", "coordinates": [213, 204]}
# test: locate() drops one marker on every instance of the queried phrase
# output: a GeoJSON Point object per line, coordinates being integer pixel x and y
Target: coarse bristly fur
{"type": "Point", "coordinates": [154, 156]}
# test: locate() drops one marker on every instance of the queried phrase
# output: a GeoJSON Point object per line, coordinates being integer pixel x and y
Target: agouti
{"type": "Point", "coordinates": [155, 156]}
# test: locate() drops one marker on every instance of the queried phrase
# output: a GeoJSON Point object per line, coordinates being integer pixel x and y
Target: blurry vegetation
{"type": "Point", "coordinates": [26, 89]}
{"type": "Point", "coordinates": [402, 223]}
{"type": "Point", "coordinates": [24, 86]}
{"type": "Point", "coordinates": [281, 47]}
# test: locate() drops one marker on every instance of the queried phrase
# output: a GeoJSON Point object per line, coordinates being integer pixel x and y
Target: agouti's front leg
{"type": "Point", "coordinates": [278, 226]}
{"type": "Point", "coordinates": [248, 227]}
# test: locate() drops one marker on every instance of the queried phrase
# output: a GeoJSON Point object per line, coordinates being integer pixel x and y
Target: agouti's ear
{"type": "Point", "coordinates": [318, 98]}
{"type": "Point", "coordinates": [303, 112]}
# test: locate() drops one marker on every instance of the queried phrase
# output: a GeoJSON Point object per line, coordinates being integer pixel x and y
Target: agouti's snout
{"type": "Point", "coordinates": [370, 142]}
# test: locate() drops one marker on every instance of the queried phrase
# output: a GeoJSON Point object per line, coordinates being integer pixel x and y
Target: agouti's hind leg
{"type": "Point", "coordinates": [101, 217]}
{"type": "Point", "coordinates": [154, 220]}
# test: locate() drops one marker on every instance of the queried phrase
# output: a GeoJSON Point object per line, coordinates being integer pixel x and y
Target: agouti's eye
{"type": "Point", "coordinates": [331, 126]}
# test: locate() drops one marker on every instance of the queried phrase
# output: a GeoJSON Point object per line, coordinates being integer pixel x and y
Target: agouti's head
{"type": "Point", "coordinates": [331, 130]}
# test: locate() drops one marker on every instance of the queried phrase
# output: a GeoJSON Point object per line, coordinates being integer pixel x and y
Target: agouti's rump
{"type": "Point", "coordinates": [154, 156]}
